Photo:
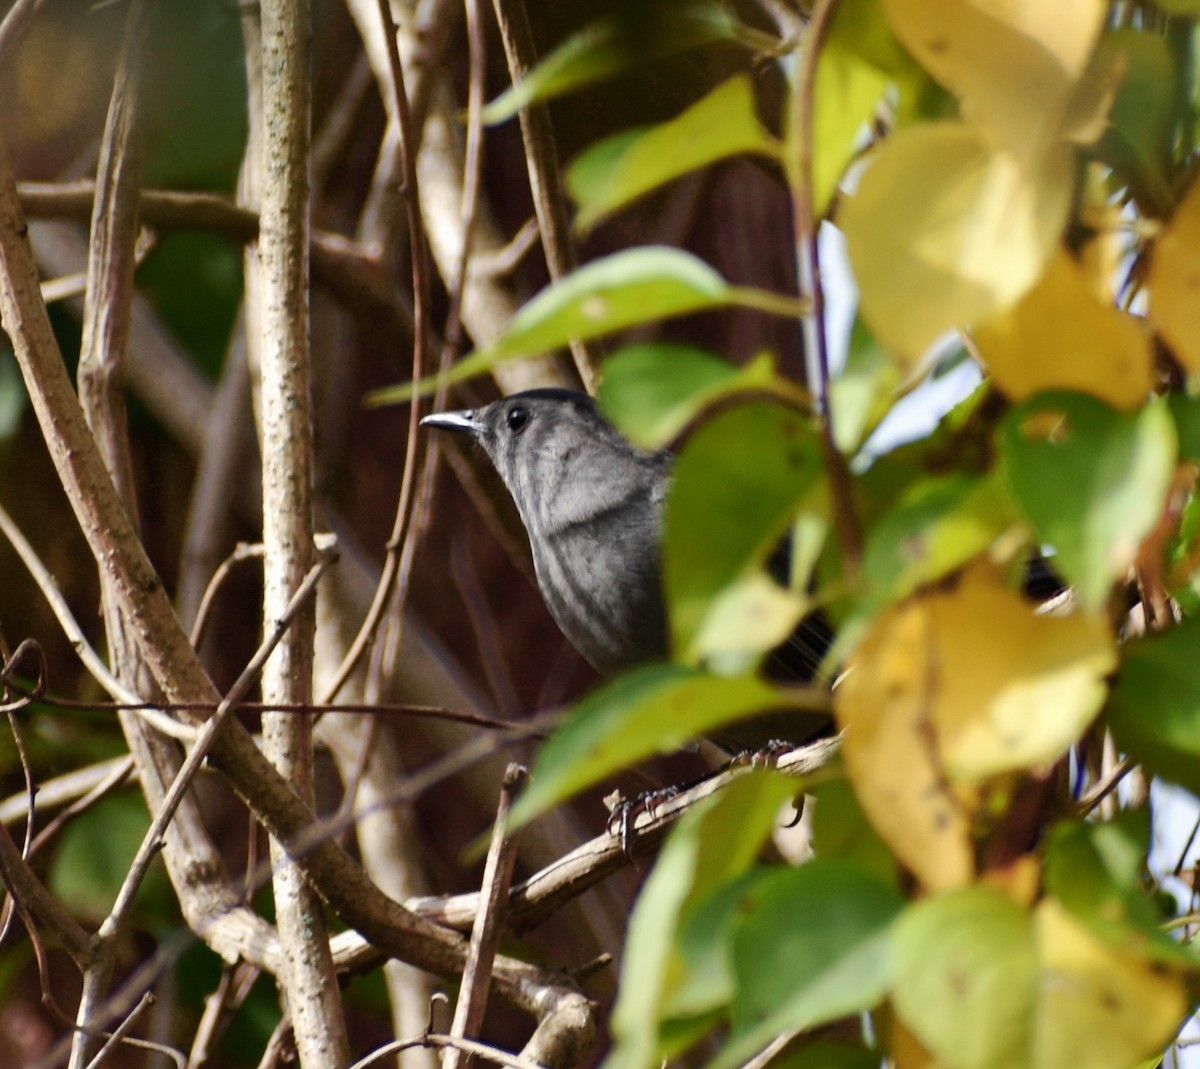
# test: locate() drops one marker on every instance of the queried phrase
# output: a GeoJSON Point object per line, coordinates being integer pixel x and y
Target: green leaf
{"type": "Point", "coordinates": [1186, 8]}
{"type": "Point", "coordinates": [1137, 141]}
{"type": "Point", "coordinates": [863, 392]}
{"type": "Point", "coordinates": [738, 485]}
{"type": "Point", "coordinates": [812, 947]}
{"type": "Point", "coordinates": [606, 48]}
{"type": "Point", "coordinates": [630, 287]}
{"type": "Point", "coordinates": [697, 882]}
{"type": "Point", "coordinates": [1154, 711]}
{"type": "Point", "coordinates": [655, 709]}
{"type": "Point", "coordinates": [1186, 412]}
{"type": "Point", "coordinates": [841, 831]}
{"type": "Point", "coordinates": [1095, 871]}
{"type": "Point", "coordinates": [651, 392]}
{"type": "Point", "coordinates": [965, 972]}
{"type": "Point", "coordinates": [617, 170]}
{"type": "Point", "coordinates": [936, 526]}
{"type": "Point", "coordinates": [848, 86]}
{"type": "Point", "coordinates": [94, 853]}
{"type": "Point", "coordinates": [1090, 480]}
{"type": "Point", "coordinates": [829, 1056]}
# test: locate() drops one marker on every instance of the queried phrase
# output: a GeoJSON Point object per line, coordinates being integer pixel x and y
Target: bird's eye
{"type": "Point", "coordinates": [517, 418]}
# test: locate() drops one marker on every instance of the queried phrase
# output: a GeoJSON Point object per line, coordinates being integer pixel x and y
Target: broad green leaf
{"type": "Point", "coordinates": [1137, 142]}
{"type": "Point", "coordinates": [1174, 281]}
{"type": "Point", "coordinates": [1186, 412]}
{"type": "Point", "coordinates": [706, 857]}
{"type": "Point", "coordinates": [1095, 871]}
{"type": "Point", "coordinates": [737, 486]}
{"type": "Point", "coordinates": [945, 230]}
{"type": "Point", "coordinates": [733, 837]}
{"type": "Point", "coordinates": [606, 47]}
{"type": "Point", "coordinates": [937, 526]}
{"type": "Point", "coordinates": [1015, 66]}
{"type": "Point", "coordinates": [1155, 707]}
{"type": "Point", "coordinates": [812, 946]}
{"type": "Point", "coordinates": [652, 391]}
{"type": "Point", "coordinates": [1090, 480]}
{"type": "Point", "coordinates": [841, 831]}
{"type": "Point", "coordinates": [829, 1056]}
{"type": "Point", "coordinates": [652, 710]}
{"type": "Point", "coordinates": [616, 171]}
{"type": "Point", "coordinates": [933, 527]}
{"type": "Point", "coordinates": [630, 287]}
{"type": "Point", "coordinates": [1187, 8]}
{"type": "Point", "coordinates": [1061, 336]}
{"type": "Point", "coordinates": [964, 966]}
{"type": "Point", "coordinates": [859, 60]}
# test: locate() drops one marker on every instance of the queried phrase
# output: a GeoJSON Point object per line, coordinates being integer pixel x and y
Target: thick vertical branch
{"type": "Point", "coordinates": [111, 263]}
{"type": "Point", "coordinates": [285, 411]}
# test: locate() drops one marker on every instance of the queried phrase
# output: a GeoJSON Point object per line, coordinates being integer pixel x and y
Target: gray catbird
{"type": "Point", "coordinates": [592, 506]}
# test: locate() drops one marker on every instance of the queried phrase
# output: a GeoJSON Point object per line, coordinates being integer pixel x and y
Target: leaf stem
{"type": "Point", "coordinates": [808, 264]}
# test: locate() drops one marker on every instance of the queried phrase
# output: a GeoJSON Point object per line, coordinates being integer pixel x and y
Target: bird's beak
{"type": "Point", "coordinates": [465, 422]}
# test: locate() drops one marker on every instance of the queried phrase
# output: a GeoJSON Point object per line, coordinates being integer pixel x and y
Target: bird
{"type": "Point", "coordinates": [592, 506]}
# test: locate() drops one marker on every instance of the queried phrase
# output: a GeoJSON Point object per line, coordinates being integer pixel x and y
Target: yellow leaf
{"type": "Point", "coordinates": [953, 687]}
{"type": "Point", "coordinates": [1013, 688]}
{"type": "Point", "coordinates": [883, 704]}
{"type": "Point", "coordinates": [945, 230]}
{"type": "Point", "coordinates": [1174, 282]}
{"type": "Point", "coordinates": [1098, 1007]}
{"type": "Point", "coordinates": [1013, 64]}
{"type": "Point", "coordinates": [1060, 336]}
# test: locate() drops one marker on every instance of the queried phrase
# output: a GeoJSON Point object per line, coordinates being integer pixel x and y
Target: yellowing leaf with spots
{"type": "Point", "coordinates": [1015, 65]}
{"type": "Point", "coordinates": [1060, 336]}
{"type": "Point", "coordinates": [945, 230]}
{"type": "Point", "coordinates": [953, 687]}
{"type": "Point", "coordinates": [1174, 282]}
{"type": "Point", "coordinates": [985, 983]}
{"type": "Point", "coordinates": [1013, 689]}
{"type": "Point", "coordinates": [1098, 1006]}
{"type": "Point", "coordinates": [883, 704]}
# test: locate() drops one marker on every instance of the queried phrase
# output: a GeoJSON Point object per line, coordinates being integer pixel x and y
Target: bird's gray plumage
{"type": "Point", "coordinates": [592, 505]}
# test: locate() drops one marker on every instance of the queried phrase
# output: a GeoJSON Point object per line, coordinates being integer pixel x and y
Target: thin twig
{"type": "Point", "coordinates": [351, 272]}
{"type": "Point", "coordinates": [472, 169]}
{"type": "Point", "coordinates": [243, 551]}
{"type": "Point", "coordinates": [541, 160]}
{"type": "Point", "coordinates": [438, 1040]}
{"type": "Point", "coordinates": [485, 933]}
{"type": "Point", "coordinates": [421, 292]}
{"type": "Point", "coordinates": [1104, 787]}
{"type": "Point", "coordinates": [541, 895]}
{"type": "Point", "coordinates": [90, 658]}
